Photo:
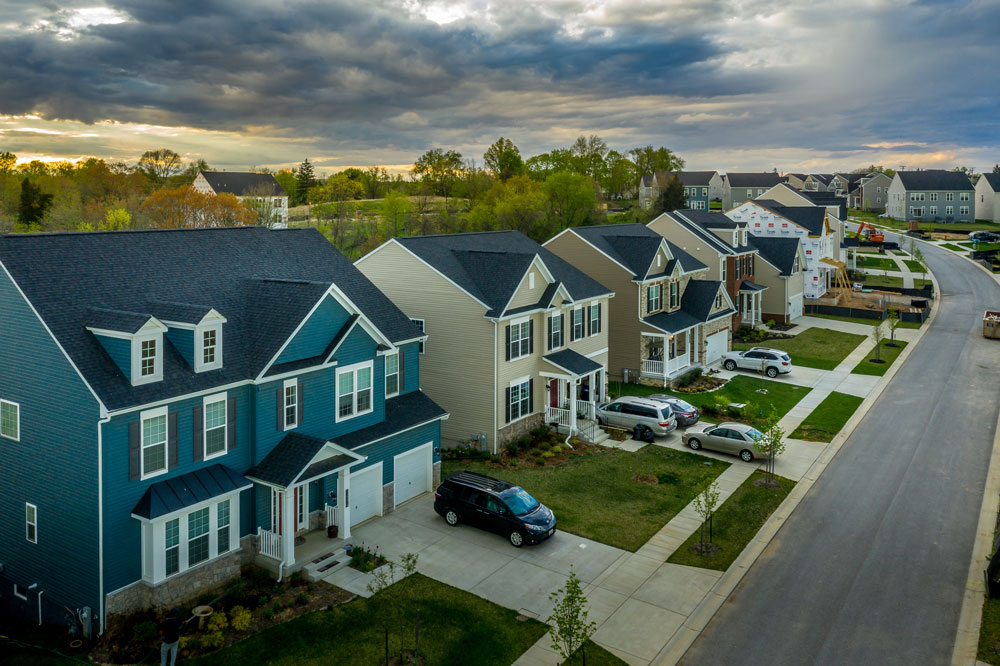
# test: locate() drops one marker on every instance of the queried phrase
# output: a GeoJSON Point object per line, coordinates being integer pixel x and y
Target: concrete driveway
{"type": "Point", "coordinates": [485, 563]}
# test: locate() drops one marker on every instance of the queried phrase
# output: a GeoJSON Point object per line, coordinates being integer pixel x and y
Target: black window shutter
{"type": "Point", "coordinates": [550, 345]}
{"type": "Point", "coordinates": [531, 396]}
{"type": "Point", "coordinates": [300, 403]}
{"type": "Point", "coordinates": [198, 433]}
{"type": "Point", "coordinates": [572, 325]}
{"type": "Point", "coordinates": [586, 315]}
{"type": "Point", "coordinates": [508, 350]}
{"type": "Point", "coordinates": [600, 320]}
{"type": "Point", "coordinates": [649, 298]}
{"type": "Point", "coordinates": [231, 424]}
{"type": "Point", "coordinates": [172, 440]}
{"type": "Point", "coordinates": [134, 447]}
{"type": "Point", "coordinates": [531, 336]}
{"type": "Point", "coordinates": [402, 372]}
{"type": "Point", "coordinates": [279, 419]}
{"type": "Point", "coordinates": [508, 405]}
{"type": "Point", "coordinates": [562, 328]}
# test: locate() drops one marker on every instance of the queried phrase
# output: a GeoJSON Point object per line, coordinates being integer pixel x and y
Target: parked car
{"type": "Point", "coordinates": [495, 506]}
{"type": "Point", "coordinates": [984, 236]}
{"type": "Point", "coordinates": [774, 361]}
{"type": "Point", "coordinates": [728, 437]}
{"type": "Point", "coordinates": [685, 413]}
{"type": "Point", "coordinates": [629, 411]}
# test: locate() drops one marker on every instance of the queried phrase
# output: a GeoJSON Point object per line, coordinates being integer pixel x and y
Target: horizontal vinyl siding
{"type": "Point", "coordinates": [385, 450]}
{"type": "Point", "coordinates": [54, 465]}
{"type": "Point", "coordinates": [183, 342]}
{"type": "Point", "coordinates": [315, 335]}
{"type": "Point", "coordinates": [120, 351]}
{"type": "Point", "coordinates": [524, 295]}
{"type": "Point", "coordinates": [456, 368]}
{"type": "Point", "coordinates": [123, 563]}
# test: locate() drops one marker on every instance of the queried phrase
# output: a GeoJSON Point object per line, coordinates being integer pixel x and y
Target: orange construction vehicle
{"type": "Point", "coordinates": [869, 233]}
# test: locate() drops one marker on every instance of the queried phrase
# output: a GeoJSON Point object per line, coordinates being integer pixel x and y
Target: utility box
{"type": "Point", "coordinates": [991, 324]}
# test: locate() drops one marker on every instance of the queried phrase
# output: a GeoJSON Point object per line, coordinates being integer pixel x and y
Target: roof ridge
{"type": "Point", "coordinates": [130, 231]}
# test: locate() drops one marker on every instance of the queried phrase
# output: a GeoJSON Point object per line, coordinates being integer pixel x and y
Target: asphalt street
{"type": "Point", "coordinates": [871, 566]}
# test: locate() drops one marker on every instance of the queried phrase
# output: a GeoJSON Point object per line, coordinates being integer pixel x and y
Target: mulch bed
{"type": "Point", "coordinates": [757, 338]}
{"type": "Point", "coordinates": [778, 326]}
{"type": "Point", "coordinates": [702, 385]}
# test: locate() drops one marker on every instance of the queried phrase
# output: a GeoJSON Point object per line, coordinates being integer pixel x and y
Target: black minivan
{"type": "Point", "coordinates": [494, 505]}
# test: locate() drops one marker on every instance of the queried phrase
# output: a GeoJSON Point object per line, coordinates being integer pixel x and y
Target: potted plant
{"type": "Point", "coordinates": [332, 531]}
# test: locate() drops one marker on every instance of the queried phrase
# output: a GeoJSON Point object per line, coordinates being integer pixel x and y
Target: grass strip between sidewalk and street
{"type": "Point", "coordinates": [881, 263]}
{"type": "Point", "coordinates": [953, 248]}
{"type": "Point", "coordinates": [829, 417]}
{"type": "Point", "coordinates": [887, 354]}
{"type": "Point", "coordinates": [735, 523]}
{"type": "Point", "coordinates": [821, 348]}
{"type": "Point", "coordinates": [989, 631]}
{"type": "Point", "coordinates": [866, 322]}
{"type": "Point", "coordinates": [914, 265]}
{"type": "Point", "coordinates": [599, 498]}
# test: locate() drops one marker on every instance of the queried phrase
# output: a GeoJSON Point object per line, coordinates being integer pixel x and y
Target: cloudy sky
{"type": "Point", "coordinates": [728, 84]}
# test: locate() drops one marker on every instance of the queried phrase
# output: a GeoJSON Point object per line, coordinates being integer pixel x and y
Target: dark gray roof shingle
{"type": "Point", "coordinates": [171, 495]}
{"type": "Point", "coordinates": [243, 183]}
{"type": "Point", "coordinates": [287, 460]}
{"type": "Point", "coordinates": [572, 361]}
{"type": "Point", "coordinates": [687, 178]}
{"type": "Point", "coordinates": [264, 282]}
{"type": "Point", "coordinates": [634, 246]}
{"type": "Point", "coordinates": [994, 180]}
{"type": "Point", "coordinates": [403, 412]}
{"type": "Point", "coordinates": [696, 304]}
{"type": "Point", "coordinates": [779, 252]}
{"type": "Point", "coordinates": [766, 179]}
{"type": "Point", "coordinates": [934, 179]}
{"type": "Point", "coordinates": [811, 217]}
{"type": "Point", "coordinates": [115, 320]}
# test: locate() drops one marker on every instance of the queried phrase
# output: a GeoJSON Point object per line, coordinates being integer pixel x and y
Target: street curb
{"type": "Point", "coordinates": [685, 636]}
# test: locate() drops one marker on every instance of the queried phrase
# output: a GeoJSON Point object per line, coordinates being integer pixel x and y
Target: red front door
{"type": "Point", "coordinates": [554, 393]}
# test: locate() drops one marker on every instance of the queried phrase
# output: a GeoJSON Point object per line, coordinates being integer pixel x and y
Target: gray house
{"type": "Point", "coordinates": [931, 195]}
{"type": "Point", "coordinates": [701, 188]}
{"type": "Point", "coordinates": [871, 193]}
{"type": "Point", "coordinates": [843, 183]}
{"type": "Point", "coordinates": [988, 197]}
{"type": "Point", "coordinates": [740, 187]}
{"type": "Point", "coordinates": [818, 182]}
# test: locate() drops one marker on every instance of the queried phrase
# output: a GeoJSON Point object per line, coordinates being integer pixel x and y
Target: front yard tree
{"type": "Point", "coordinates": [893, 322]}
{"type": "Point", "coordinates": [770, 445]}
{"type": "Point", "coordinates": [33, 205]}
{"type": "Point", "coordinates": [705, 504]}
{"type": "Point", "coordinates": [568, 623]}
{"type": "Point", "coordinates": [384, 583]}
{"type": "Point", "coordinates": [878, 335]}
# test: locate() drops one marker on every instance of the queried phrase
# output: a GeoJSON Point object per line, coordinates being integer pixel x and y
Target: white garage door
{"type": "Point", "coordinates": [413, 473]}
{"type": "Point", "coordinates": [717, 343]}
{"type": "Point", "coordinates": [795, 306]}
{"type": "Point", "coordinates": [366, 493]}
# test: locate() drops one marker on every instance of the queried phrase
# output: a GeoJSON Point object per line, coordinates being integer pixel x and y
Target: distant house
{"type": "Point", "coordinates": [519, 333]}
{"type": "Point", "coordinates": [843, 183]}
{"type": "Point", "coordinates": [810, 224]}
{"type": "Point", "coordinates": [780, 270]}
{"type": "Point", "coordinates": [701, 188]}
{"type": "Point", "coordinates": [740, 187]}
{"type": "Point", "coordinates": [818, 182]}
{"type": "Point", "coordinates": [836, 206]}
{"type": "Point", "coordinates": [988, 197]}
{"type": "Point", "coordinates": [796, 180]}
{"type": "Point", "coordinates": [723, 246]}
{"type": "Point", "coordinates": [871, 193]}
{"type": "Point", "coordinates": [666, 316]}
{"type": "Point", "coordinates": [261, 188]}
{"type": "Point", "coordinates": [931, 195]}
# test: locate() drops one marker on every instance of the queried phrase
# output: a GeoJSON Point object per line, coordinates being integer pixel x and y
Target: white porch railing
{"type": "Point", "coordinates": [557, 416]}
{"type": "Point", "coordinates": [331, 515]}
{"type": "Point", "coordinates": [675, 364]}
{"type": "Point", "coordinates": [270, 543]}
{"type": "Point", "coordinates": [668, 367]}
{"type": "Point", "coordinates": [585, 410]}
{"type": "Point", "coordinates": [650, 367]}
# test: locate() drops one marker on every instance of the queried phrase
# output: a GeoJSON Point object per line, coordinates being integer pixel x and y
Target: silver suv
{"type": "Point", "coordinates": [629, 411]}
{"type": "Point", "coordinates": [773, 361]}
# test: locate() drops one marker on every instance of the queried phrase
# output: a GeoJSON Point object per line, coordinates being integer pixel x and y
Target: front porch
{"type": "Point", "coordinates": [572, 394]}
{"type": "Point", "coordinates": [748, 303]}
{"type": "Point", "coordinates": [666, 355]}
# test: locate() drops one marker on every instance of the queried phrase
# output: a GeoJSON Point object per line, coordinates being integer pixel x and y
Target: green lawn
{"type": "Point", "coordinates": [828, 418]}
{"type": "Point", "coordinates": [926, 226]}
{"type": "Point", "coordinates": [887, 354]}
{"type": "Point", "coordinates": [876, 281]}
{"type": "Point", "coordinates": [989, 631]}
{"type": "Point", "coordinates": [881, 263]}
{"type": "Point", "coordinates": [914, 265]}
{"type": "Point", "coordinates": [954, 248]}
{"type": "Point", "coordinates": [735, 523]}
{"type": "Point", "coordinates": [900, 253]}
{"type": "Point", "coordinates": [867, 322]}
{"type": "Point", "coordinates": [596, 656]}
{"type": "Point", "coordinates": [739, 389]}
{"type": "Point", "coordinates": [597, 498]}
{"type": "Point", "coordinates": [456, 627]}
{"type": "Point", "coordinates": [813, 348]}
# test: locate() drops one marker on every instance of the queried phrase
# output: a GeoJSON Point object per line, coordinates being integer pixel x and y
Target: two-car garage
{"type": "Point", "coordinates": [412, 475]}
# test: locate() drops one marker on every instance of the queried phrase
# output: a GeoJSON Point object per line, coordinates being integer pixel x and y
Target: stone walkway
{"type": "Point", "coordinates": [644, 605]}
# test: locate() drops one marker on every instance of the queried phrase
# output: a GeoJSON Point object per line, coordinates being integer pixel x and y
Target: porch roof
{"type": "Point", "coordinates": [672, 322]}
{"type": "Point", "coordinates": [169, 495]}
{"type": "Point", "coordinates": [572, 362]}
{"type": "Point", "coordinates": [295, 457]}
{"type": "Point", "coordinates": [747, 285]}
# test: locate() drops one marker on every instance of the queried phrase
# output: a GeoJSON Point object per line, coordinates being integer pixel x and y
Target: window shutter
{"type": "Point", "coordinates": [300, 403]}
{"type": "Point", "coordinates": [134, 446]}
{"type": "Point", "coordinates": [586, 315]}
{"type": "Point", "coordinates": [649, 298]}
{"type": "Point", "coordinates": [231, 424]}
{"type": "Point", "coordinates": [600, 321]}
{"type": "Point", "coordinates": [572, 325]}
{"type": "Point", "coordinates": [531, 336]}
{"type": "Point", "coordinates": [508, 405]}
{"type": "Point", "coordinates": [279, 419]}
{"type": "Point", "coordinates": [508, 354]}
{"type": "Point", "coordinates": [549, 324]}
{"type": "Point", "coordinates": [562, 328]}
{"type": "Point", "coordinates": [531, 396]}
{"type": "Point", "coordinates": [198, 432]}
{"type": "Point", "coordinates": [172, 440]}
{"type": "Point", "coordinates": [402, 372]}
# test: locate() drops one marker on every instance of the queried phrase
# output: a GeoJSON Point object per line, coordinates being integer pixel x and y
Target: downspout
{"type": "Point", "coordinates": [100, 517]}
{"type": "Point", "coordinates": [40, 593]}
{"type": "Point", "coordinates": [496, 328]}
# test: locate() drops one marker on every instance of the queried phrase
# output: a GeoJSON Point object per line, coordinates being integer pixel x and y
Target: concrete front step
{"type": "Point", "coordinates": [325, 564]}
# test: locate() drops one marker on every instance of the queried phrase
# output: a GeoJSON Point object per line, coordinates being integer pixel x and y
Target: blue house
{"type": "Point", "coordinates": [176, 404]}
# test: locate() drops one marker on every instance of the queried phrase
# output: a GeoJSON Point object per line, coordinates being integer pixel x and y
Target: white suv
{"type": "Point", "coordinates": [774, 362]}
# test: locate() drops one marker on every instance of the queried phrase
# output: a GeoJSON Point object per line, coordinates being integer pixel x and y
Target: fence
{"type": "Point", "coordinates": [875, 315]}
{"type": "Point", "coordinates": [270, 543]}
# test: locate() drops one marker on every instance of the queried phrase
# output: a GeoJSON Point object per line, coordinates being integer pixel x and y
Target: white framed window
{"type": "Point", "coordinates": [197, 536]}
{"type": "Point", "coordinates": [595, 319]}
{"type": "Point", "coordinates": [30, 522]}
{"type": "Point", "coordinates": [933, 196]}
{"type": "Point", "coordinates": [520, 398]}
{"type": "Point", "coordinates": [949, 196]}
{"type": "Point", "coordinates": [722, 268]}
{"type": "Point", "coordinates": [555, 326]}
{"type": "Point", "coordinates": [878, 200]}
{"type": "Point", "coordinates": [949, 210]}
{"type": "Point", "coordinates": [153, 452]}
{"type": "Point", "coordinates": [419, 323]}
{"type": "Point", "coordinates": [963, 196]}
{"type": "Point", "coordinates": [520, 339]}
{"type": "Point", "coordinates": [172, 546]}
{"type": "Point", "coordinates": [675, 294]}
{"type": "Point", "coordinates": [147, 357]}
{"type": "Point", "coordinates": [10, 420]}
{"type": "Point", "coordinates": [963, 210]}
{"type": "Point", "coordinates": [215, 425]}
{"type": "Point", "coordinates": [579, 323]}
{"type": "Point", "coordinates": [704, 191]}
{"type": "Point", "coordinates": [391, 374]}
{"type": "Point", "coordinates": [176, 542]}
{"type": "Point", "coordinates": [20, 592]}
{"type": "Point", "coordinates": [222, 522]}
{"type": "Point", "coordinates": [354, 390]}
{"type": "Point", "coordinates": [653, 298]}
{"type": "Point", "coordinates": [208, 348]}
{"type": "Point", "coordinates": [290, 393]}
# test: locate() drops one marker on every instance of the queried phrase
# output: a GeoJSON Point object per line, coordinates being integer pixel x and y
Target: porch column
{"type": "Point", "coordinates": [571, 385]}
{"type": "Point", "coordinates": [666, 360]}
{"type": "Point", "coordinates": [288, 526]}
{"type": "Point", "coordinates": [343, 506]}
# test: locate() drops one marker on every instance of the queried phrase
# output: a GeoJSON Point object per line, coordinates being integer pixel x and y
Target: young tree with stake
{"type": "Point", "coordinates": [878, 335]}
{"type": "Point", "coordinates": [770, 445]}
{"type": "Point", "coordinates": [705, 504]}
{"type": "Point", "coordinates": [893, 322]}
{"type": "Point", "coordinates": [383, 582]}
{"type": "Point", "coordinates": [568, 623]}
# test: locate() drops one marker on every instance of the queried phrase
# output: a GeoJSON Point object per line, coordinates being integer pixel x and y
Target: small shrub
{"type": "Point", "coordinates": [769, 323]}
{"type": "Point", "coordinates": [267, 614]}
{"type": "Point", "coordinates": [279, 590]}
{"type": "Point", "coordinates": [260, 578]}
{"type": "Point", "coordinates": [189, 642]}
{"type": "Point", "coordinates": [720, 404]}
{"type": "Point", "coordinates": [311, 587]}
{"type": "Point", "coordinates": [513, 463]}
{"type": "Point", "coordinates": [145, 632]}
{"type": "Point", "coordinates": [262, 599]}
{"type": "Point", "coordinates": [240, 618]}
{"type": "Point", "coordinates": [539, 461]}
{"type": "Point", "coordinates": [212, 639]}
{"type": "Point", "coordinates": [512, 448]}
{"type": "Point", "coordinates": [218, 621]}
{"type": "Point", "coordinates": [302, 598]}
{"type": "Point", "coordinates": [539, 432]}
{"type": "Point", "coordinates": [236, 588]}
{"type": "Point", "coordinates": [297, 575]}
{"type": "Point", "coordinates": [689, 377]}
{"type": "Point", "coordinates": [548, 454]}
{"type": "Point", "coordinates": [556, 449]}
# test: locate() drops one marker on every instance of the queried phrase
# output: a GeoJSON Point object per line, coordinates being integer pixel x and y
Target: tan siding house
{"type": "Point", "coordinates": [516, 336]}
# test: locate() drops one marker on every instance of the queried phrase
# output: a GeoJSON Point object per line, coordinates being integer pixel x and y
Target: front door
{"type": "Point", "coordinates": [553, 393]}
{"type": "Point", "coordinates": [276, 513]}
{"type": "Point", "coordinates": [301, 507]}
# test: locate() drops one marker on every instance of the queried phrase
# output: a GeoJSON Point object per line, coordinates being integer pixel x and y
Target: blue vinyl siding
{"type": "Point", "coordinates": [123, 563]}
{"type": "Point", "coordinates": [410, 359]}
{"type": "Point", "coordinates": [183, 342]}
{"type": "Point", "coordinates": [384, 450]}
{"type": "Point", "coordinates": [54, 465]}
{"type": "Point", "coordinates": [120, 352]}
{"type": "Point", "coordinates": [317, 333]}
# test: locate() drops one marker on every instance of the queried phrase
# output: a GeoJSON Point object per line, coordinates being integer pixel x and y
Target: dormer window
{"type": "Point", "coordinates": [208, 347]}
{"type": "Point", "coordinates": [734, 237]}
{"type": "Point", "coordinates": [147, 358]}
{"type": "Point", "coordinates": [208, 341]}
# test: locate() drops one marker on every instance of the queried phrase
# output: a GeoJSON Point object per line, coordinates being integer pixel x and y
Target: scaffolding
{"type": "Point", "coordinates": [840, 278]}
